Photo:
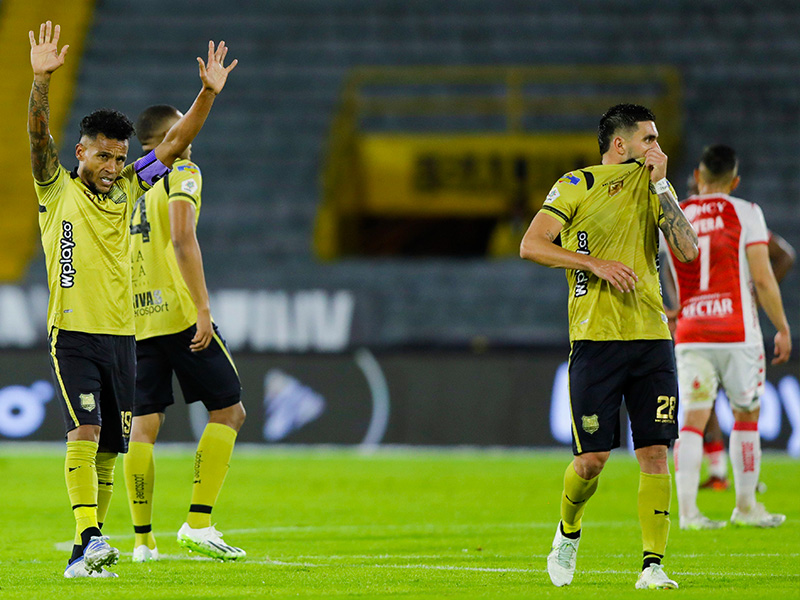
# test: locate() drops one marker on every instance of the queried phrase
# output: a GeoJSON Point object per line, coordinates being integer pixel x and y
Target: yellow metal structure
{"type": "Point", "coordinates": [19, 236]}
{"type": "Point", "coordinates": [472, 173]}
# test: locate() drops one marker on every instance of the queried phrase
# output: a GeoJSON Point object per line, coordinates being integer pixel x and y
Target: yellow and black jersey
{"type": "Point", "coordinates": [162, 303]}
{"type": "Point", "coordinates": [610, 212]}
{"type": "Point", "coordinates": [86, 241]}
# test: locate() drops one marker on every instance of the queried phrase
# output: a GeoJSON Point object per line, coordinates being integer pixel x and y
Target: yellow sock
{"type": "Point", "coordinates": [81, 477]}
{"type": "Point", "coordinates": [104, 463]}
{"type": "Point", "coordinates": [577, 491]}
{"type": "Point", "coordinates": [210, 467]}
{"type": "Point", "coordinates": [140, 475]}
{"type": "Point", "coordinates": [655, 495]}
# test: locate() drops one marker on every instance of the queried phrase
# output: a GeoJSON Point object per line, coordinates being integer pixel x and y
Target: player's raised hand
{"type": "Point", "coordinates": [656, 161]}
{"type": "Point", "coordinates": [214, 73]}
{"type": "Point", "coordinates": [618, 274]}
{"type": "Point", "coordinates": [45, 57]}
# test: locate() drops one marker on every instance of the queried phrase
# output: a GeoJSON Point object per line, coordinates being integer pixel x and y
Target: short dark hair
{"type": "Point", "coordinates": [720, 161]}
{"type": "Point", "coordinates": [620, 116]}
{"type": "Point", "coordinates": [111, 123]}
{"type": "Point", "coordinates": [152, 119]}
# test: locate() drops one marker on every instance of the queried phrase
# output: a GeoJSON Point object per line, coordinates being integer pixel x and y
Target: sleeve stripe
{"type": "Point", "coordinates": [756, 243]}
{"type": "Point", "coordinates": [182, 195]}
{"type": "Point", "coordinates": [50, 181]}
{"type": "Point", "coordinates": [557, 213]}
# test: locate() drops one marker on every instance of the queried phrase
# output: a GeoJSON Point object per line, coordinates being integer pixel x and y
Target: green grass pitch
{"type": "Point", "coordinates": [397, 523]}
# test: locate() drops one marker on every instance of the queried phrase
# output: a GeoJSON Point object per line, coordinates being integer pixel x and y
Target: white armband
{"type": "Point", "coordinates": [661, 186]}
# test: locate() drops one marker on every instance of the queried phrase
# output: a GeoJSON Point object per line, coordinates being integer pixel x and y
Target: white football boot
{"type": "Point", "coordinates": [144, 554]}
{"type": "Point", "coordinates": [77, 568]}
{"type": "Point", "coordinates": [699, 522]}
{"type": "Point", "coordinates": [208, 541]}
{"type": "Point", "coordinates": [99, 553]}
{"type": "Point", "coordinates": [561, 560]}
{"type": "Point", "coordinates": [756, 517]}
{"type": "Point", "coordinates": [654, 578]}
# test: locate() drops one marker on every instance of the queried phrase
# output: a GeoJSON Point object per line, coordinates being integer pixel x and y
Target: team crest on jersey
{"type": "Point", "coordinates": [554, 193]}
{"type": "Point", "coordinates": [189, 186]}
{"type": "Point", "coordinates": [615, 187]}
{"type": "Point", "coordinates": [87, 402]}
{"type": "Point", "coordinates": [117, 196]}
{"type": "Point", "coordinates": [590, 423]}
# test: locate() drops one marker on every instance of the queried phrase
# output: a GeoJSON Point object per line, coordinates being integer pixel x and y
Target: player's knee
{"type": "Point", "coordinates": [653, 459]}
{"type": "Point", "coordinates": [90, 433]}
{"type": "Point", "coordinates": [590, 464]}
{"type": "Point", "coordinates": [232, 416]}
{"type": "Point", "coordinates": [145, 428]}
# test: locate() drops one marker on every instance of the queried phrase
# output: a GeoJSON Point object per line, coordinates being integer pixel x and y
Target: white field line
{"type": "Point", "coordinates": [412, 566]}
{"type": "Point", "coordinates": [410, 528]}
{"type": "Point", "coordinates": [300, 562]}
{"type": "Point", "coordinates": [507, 556]}
{"type": "Point", "coordinates": [510, 569]}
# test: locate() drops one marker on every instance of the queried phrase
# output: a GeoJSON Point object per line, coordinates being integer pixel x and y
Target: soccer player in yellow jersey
{"type": "Point", "coordinates": [84, 220]}
{"type": "Point", "coordinates": [175, 334]}
{"type": "Point", "coordinates": [602, 225]}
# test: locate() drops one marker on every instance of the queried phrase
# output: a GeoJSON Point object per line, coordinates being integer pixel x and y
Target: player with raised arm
{"type": "Point", "coordinates": [718, 338]}
{"type": "Point", "coordinates": [83, 217]}
{"type": "Point", "coordinates": [175, 334]}
{"type": "Point", "coordinates": [602, 225]}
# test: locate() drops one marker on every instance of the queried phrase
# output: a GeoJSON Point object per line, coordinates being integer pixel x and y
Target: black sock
{"type": "Point", "coordinates": [651, 559]}
{"type": "Point", "coordinates": [572, 536]}
{"type": "Point", "coordinates": [77, 552]}
{"type": "Point", "coordinates": [87, 534]}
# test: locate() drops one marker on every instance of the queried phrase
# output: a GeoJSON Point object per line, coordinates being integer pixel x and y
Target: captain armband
{"type": "Point", "coordinates": [150, 169]}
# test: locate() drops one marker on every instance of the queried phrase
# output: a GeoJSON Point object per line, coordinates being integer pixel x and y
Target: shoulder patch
{"type": "Point", "coordinates": [570, 178]}
{"type": "Point", "coordinates": [190, 168]}
{"type": "Point", "coordinates": [554, 193]}
{"type": "Point", "coordinates": [189, 186]}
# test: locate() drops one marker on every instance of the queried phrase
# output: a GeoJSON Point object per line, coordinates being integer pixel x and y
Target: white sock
{"type": "Point", "coordinates": [717, 461]}
{"type": "Point", "coordinates": [745, 449]}
{"type": "Point", "coordinates": [688, 457]}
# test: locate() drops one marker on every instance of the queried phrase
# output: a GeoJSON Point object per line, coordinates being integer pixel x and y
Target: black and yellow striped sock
{"type": "Point", "coordinates": [655, 495]}
{"type": "Point", "coordinates": [577, 491]}
{"type": "Point", "coordinates": [139, 480]}
{"type": "Point", "coordinates": [210, 468]}
{"type": "Point", "coordinates": [81, 477]}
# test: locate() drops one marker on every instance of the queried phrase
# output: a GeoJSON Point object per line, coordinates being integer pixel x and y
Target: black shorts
{"type": "Point", "coordinates": [208, 376]}
{"type": "Point", "coordinates": [601, 374]}
{"type": "Point", "coordinates": [95, 376]}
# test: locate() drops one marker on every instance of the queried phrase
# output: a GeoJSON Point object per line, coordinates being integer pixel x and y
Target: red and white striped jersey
{"type": "Point", "coordinates": [715, 291]}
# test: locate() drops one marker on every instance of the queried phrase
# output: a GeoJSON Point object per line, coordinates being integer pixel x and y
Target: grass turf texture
{"type": "Point", "coordinates": [397, 523]}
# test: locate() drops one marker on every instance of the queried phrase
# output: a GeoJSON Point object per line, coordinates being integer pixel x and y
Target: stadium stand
{"type": "Point", "coordinates": [263, 149]}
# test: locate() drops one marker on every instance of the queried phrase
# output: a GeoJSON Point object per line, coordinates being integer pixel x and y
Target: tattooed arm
{"type": "Point", "coordinates": [539, 245]}
{"type": "Point", "coordinates": [44, 59]}
{"type": "Point", "coordinates": [679, 233]}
